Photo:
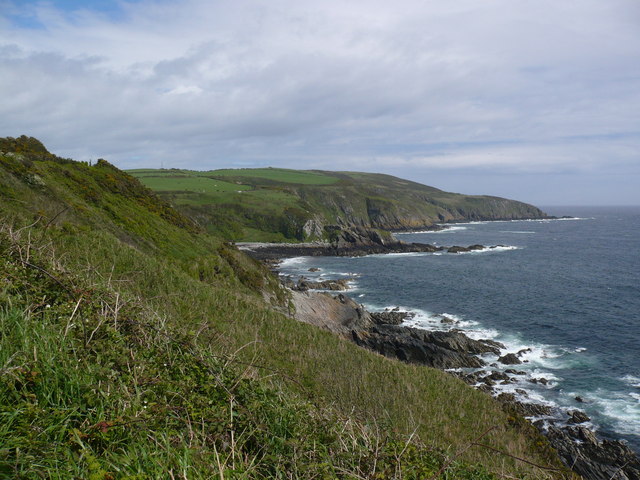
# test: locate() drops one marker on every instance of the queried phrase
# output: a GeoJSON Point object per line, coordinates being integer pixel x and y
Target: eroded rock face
{"type": "Point", "coordinates": [339, 315]}
{"type": "Point", "coordinates": [442, 350]}
{"type": "Point", "coordinates": [408, 345]}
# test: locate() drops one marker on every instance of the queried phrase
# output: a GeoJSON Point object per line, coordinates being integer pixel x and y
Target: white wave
{"type": "Point", "coordinates": [494, 248]}
{"type": "Point", "coordinates": [623, 410]}
{"type": "Point", "coordinates": [394, 255]}
{"type": "Point", "coordinates": [538, 374]}
{"type": "Point", "coordinates": [532, 220]}
{"type": "Point", "coordinates": [446, 229]}
{"type": "Point", "coordinates": [580, 349]}
{"type": "Point", "coordinates": [293, 262]}
{"type": "Point", "coordinates": [344, 274]}
{"type": "Point", "coordinates": [631, 380]}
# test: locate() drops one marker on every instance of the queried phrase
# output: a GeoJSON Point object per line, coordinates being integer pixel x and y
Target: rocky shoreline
{"type": "Point", "coordinates": [455, 352]}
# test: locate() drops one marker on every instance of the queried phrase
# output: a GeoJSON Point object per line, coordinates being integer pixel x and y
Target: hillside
{"type": "Point", "coordinates": [274, 204]}
{"type": "Point", "coordinates": [135, 345]}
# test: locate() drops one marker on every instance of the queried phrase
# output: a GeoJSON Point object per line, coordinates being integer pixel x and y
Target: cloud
{"type": "Point", "coordinates": [509, 84]}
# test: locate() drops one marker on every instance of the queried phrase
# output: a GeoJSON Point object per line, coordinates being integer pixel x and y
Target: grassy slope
{"type": "Point", "coordinates": [279, 202]}
{"type": "Point", "coordinates": [135, 344]}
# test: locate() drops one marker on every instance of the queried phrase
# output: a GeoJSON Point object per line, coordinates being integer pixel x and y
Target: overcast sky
{"type": "Point", "coordinates": [537, 100]}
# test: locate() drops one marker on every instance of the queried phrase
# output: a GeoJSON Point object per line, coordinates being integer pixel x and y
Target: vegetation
{"type": "Point", "coordinates": [133, 344]}
{"type": "Point", "coordinates": [293, 205]}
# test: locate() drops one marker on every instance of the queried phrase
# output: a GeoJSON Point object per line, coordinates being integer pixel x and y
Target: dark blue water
{"type": "Point", "coordinates": [567, 289]}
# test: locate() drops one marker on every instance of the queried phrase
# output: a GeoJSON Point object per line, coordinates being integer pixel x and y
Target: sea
{"type": "Point", "coordinates": [565, 291]}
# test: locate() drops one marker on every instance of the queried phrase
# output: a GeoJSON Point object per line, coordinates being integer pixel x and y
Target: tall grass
{"type": "Point", "coordinates": [97, 386]}
{"type": "Point", "coordinates": [133, 346]}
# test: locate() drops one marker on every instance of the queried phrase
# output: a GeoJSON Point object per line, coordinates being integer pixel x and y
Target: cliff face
{"type": "Point", "coordinates": [277, 205]}
{"type": "Point", "coordinates": [389, 203]}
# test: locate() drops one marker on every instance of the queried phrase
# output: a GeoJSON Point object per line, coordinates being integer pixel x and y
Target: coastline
{"type": "Point", "coordinates": [569, 432]}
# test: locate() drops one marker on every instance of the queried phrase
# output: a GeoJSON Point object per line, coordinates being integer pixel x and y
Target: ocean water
{"type": "Point", "coordinates": [569, 290]}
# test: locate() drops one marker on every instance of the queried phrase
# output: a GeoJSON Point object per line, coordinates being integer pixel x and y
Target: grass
{"type": "Point", "coordinates": [169, 183]}
{"type": "Point", "coordinates": [280, 175]}
{"type": "Point", "coordinates": [110, 302]}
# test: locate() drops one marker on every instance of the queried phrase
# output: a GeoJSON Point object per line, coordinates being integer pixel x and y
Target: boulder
{"type": "Point", "coordinates": [510, 359]}
{"type": "Point", "coordinates": [577, 416]}
{"type": "Point", "coordinates": [541, 380]}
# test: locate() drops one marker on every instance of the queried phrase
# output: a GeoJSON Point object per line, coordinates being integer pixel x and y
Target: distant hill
{"type": "Point", "coordinates": [274, 204]}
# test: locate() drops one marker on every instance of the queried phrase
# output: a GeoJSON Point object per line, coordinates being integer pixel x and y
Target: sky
{"type": "Point", "coordinates": [533, 100]}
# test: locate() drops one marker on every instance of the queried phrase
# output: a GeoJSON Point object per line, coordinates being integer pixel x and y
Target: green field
{"type": "Point", "coordinates": [280, 175]}
{"type": "Point", "coordinates": [189, 183]}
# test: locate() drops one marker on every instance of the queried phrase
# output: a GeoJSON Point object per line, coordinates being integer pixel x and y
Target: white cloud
{"type": "Point", "coordinates": [508, 84]}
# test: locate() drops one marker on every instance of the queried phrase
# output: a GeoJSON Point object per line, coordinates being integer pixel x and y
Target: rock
{"type": "Point", "coordinates": [506, 398]}
{"type": "Point", "coordinates": [580, 449]}
{"type": "Point", "coordinates": [457, 341]}
{"type": "Point", "coordinates": [444, 350]}
{"type": "Point", "coordinates": [577, 416]}
{"type": "Point", "coordinates": [339, 315]}
{"type": "Point", "coordinates": [579, 399]}
{"type": "Point", "coordinates": [314, 269]}
{"type": "Point", "coordinates": [447, 320]}
{"type": "Point", "coordinates": [497, 376]}
{"type": "Point", "coordinates": [522, 392]}
{"type": "Point", "coordinates": [393, 317]}
{"type": "Point", "coordinates": [527, 409]}
{"type": "Point", "coordinates": [457, 249]}
{"type": "Point", "coordinates": [305, 284]}
{"type": "Point", "coordinates": [470, 378]}
{"type": "Point", "coordinates": [510, 359]}
{"type": "Point", "coordinates": [486, 389]}
{"type": "Point", "coordinates": [511, 371]}
{"type": "Point", "coordinates": [540, 380]}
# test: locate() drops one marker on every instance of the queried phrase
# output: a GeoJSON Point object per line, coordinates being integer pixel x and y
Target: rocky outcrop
{"type": "Point", "coordinates": [584, 453]}
{"type": "Point", "coordinates": [577, 445]}
{"type": "Point", "coordinates": [382, 333]}
{"type": "Point", "coordinates": [339, 314]}
{"type": "Point", "coordinates": [348, 243]}
{"type": "Point", "coordinates": [411, 345]}
{"type": "Point", "coordinates": [305, 284]}
{"type": "Point", "coordinates": [390, 317]}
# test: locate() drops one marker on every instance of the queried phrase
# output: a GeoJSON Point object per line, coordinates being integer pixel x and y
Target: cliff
{"type": "Point", "coordinates": [296, 205]}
